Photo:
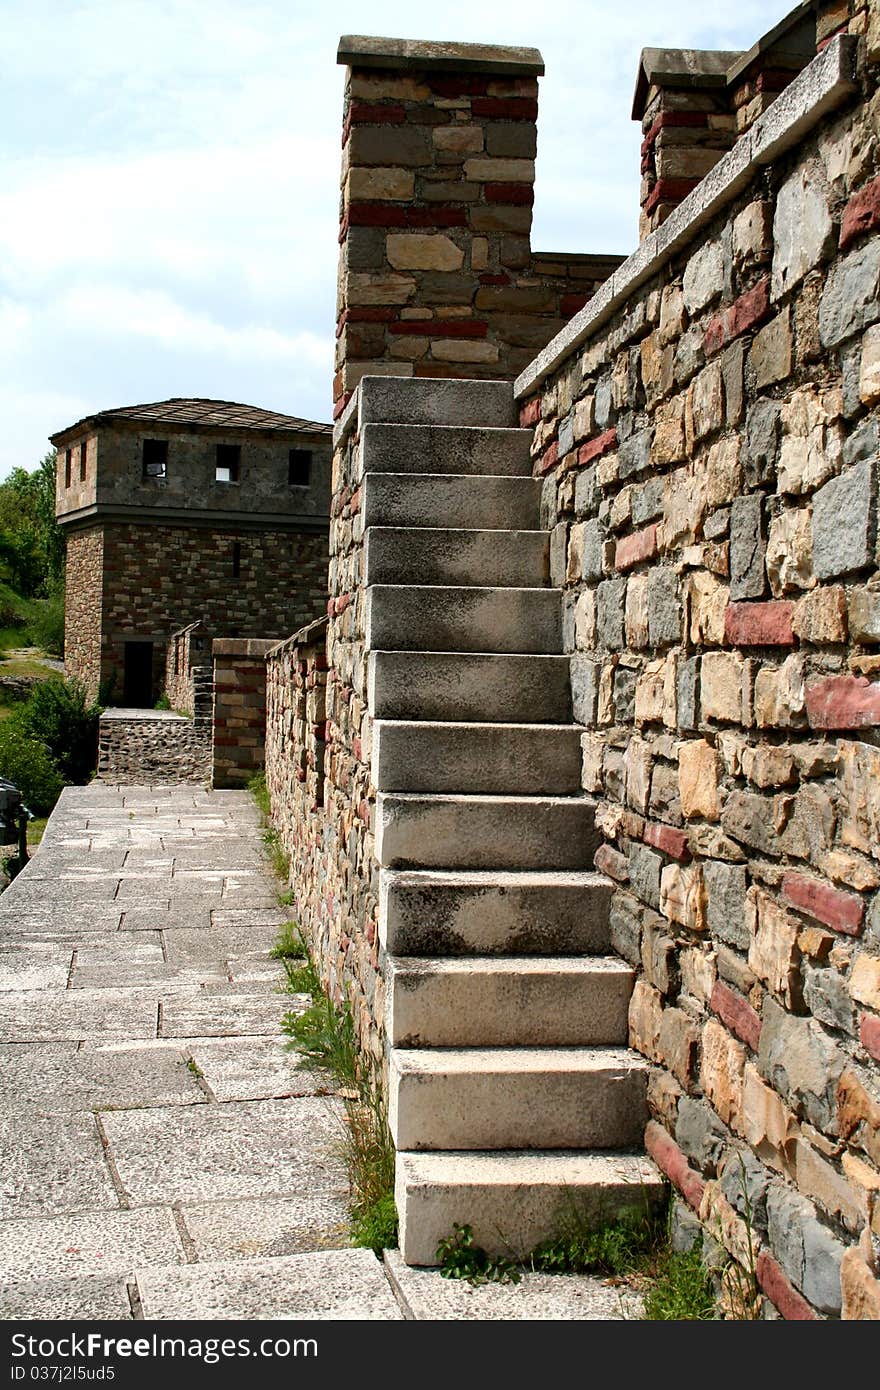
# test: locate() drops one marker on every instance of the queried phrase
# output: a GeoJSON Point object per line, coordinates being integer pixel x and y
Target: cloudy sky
{"type": "Point", "coordinates": [169, 182]}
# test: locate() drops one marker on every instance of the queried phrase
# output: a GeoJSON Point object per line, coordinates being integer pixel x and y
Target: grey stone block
{"type": "Point", "coordinates": [726, 901]}
{"type": "Point", "coordinates": [689, 355]}
{"type": "Point", "coordinates": [799, 1059]}
{"type": "Point", "coordinates": [624, 694]}
{"type": "Point", "coordinates": [625, 926]}
{"type": "Point", "coordinates": [745, 1183]}
{"type": "Point", "coordinates": [747, 548]}
{"type": "Point", "coordinates": [644, 873]}
{"type": "Point", "coordinates": [635, 453]}
{"type": "Point", "coordinates": [685, 1230]}
{"type": "Point", "coordinates": [761, 442]}
{"type": "Point", "coordinates": [827, 998]}
{"type": "Point", "coordinates": [647, 501]}
{"type": "Point", "coordinates": [610, 614]}
{"type": "Point", "coordinates": [844, 522]}
{"type": "Point", "coordinates": [851, 298]}
{"type": "Point", "coordinates": [717, 524]}
{"type": "Point", "coordinates": [603, 406]}
{"type": "Point", "coordinates": [803, 232]}
{"type": "Point", "coordinates": [665, 803]}
{"type": "Point", "coordinates": [686, 691]}
{"type": "Point", "coordinates": [664, 607]}
{"type": "Point", "coordinates": [593, 546]}
{"type": "Point", "coordinates": [566, 436]}
{"type": "Point", "coordinates": [787, 1214]}
{"type": "Point", "coordinates": [823, 1254]}
{"type": "Point", "coordinates": [863, 443]}
{"type": "Point", "coordinates": [454, 556]}
{"type": "Point", "coordinates": [584, 688]}
{"type": "Point", "coordinates": [700, 1133]}
{"type": "Point", "coordinates": [586, 492]}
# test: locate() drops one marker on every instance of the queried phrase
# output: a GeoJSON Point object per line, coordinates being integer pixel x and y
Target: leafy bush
{"type": "Point", "coordinates": [28, 763]}
{"type": "Point", "coordinates": [60, 715]}
{"type": "Point", "coordinates": [46, 625]}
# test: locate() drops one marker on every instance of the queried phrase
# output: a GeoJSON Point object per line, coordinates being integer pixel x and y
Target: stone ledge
{"type": "Point", "coordinates": [367, 51]}
{"type": "Point", "coordinates": [819, 88]}
{"type": "Point", "coordinates": [253, 647]}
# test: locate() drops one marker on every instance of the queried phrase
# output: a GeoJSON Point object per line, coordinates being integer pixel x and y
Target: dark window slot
{"type": "Point", "coordinates": [299, 467]}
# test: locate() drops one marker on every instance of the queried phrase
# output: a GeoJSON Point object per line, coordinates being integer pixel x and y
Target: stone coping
{"type": "Point", "coordinates": [254, 648]}
{"type": "Point", "coordinates": [142, 716]}
{"type": "Point", "coordinates": [826, 82]}
{"type": "Point", "coordinates": [367, 51]}
{"type": "Point", "coordinates": [306, 636]}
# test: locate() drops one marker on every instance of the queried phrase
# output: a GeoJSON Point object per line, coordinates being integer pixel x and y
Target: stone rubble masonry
{"type": "Point", "coordinates": [707, 434]}
{"type": "Point", "coordinates": [239, 711]}
{"type": "Point", "coordinates": [436, 272]}
{"type": "Point", "coordinates": [153, 748]}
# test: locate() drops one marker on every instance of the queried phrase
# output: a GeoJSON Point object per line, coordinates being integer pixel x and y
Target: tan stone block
{"type": "Point", "coordinates": [392, 185]}
{"type": "Point", "coordinates": [725, 1224]}
{"type": "Point", "coordinates": [723, 472]}
{"type": "Point", "coordinates": [409, 349]}
{"type": "Point", "coordinates": [721, 1072]}
{"type": "Point", "coordinates": [605, 702]}
{"type": "Point", "coordinates": [752, 233]}
{"type": "Point", "coordinates": [585, 620]}
{"type": "Point", "coordinates": [379, 86]}
{"type": "Point", "coordinates": [698, 971]}
{"type": "Point", "coordinates": [636, 613]}
{"type": "Point", "coordinates": [773, 950]}
{"type": "Point", "coordinates": [645, 1018]}
{"type": "Point", "coordinates": [464, 350]}
{"type": "Point", "coordinates": [864, 1181]}
{"type": "Point", "coordinates": [664, 1094]}
{"type": "Point", "coordinates": [668, 444]}
{"type": "Point", "coordinates": [592, 749]}
{"type": "Point", "coordinates": [353, 371]}
{"type": "Point", "coordinates": [820, 1181]}
{"type": "Point", "coordinates": [767, 1123]}
{"type": "Point", "coordinates": [707, 600]}
{"type": "Point", "coordinates": [768, 766]}
{"type": "Point", "coordinates": [637, 763]}
{"type": "Point", "coordinates": [479, 253]}
{"type": "Point", "coordinates": [684, 506]}
{"type": "Point", "coordinates": [422, 251]}
{"type": "Point", "coordinates": [704, 407]}
{"type": "Point", "coordinates": [672, 314]}
{"type": "Point", "coordinates": [779, 694]}
{"type": "Point", "coordinates": [678, 1043]}
{"type": "Point", "coordinates": [682, 896]}
{"type": "Point", "coordinates": [458, 139]}
{"type": "Point", "coordinates": [584, 418]}
{"type": "Point", "coordinates": [379, 289]}
{"type": "Point", "coordinates": [500, 170]}
{"type": "Point", "coordinates": [812, 440]}
{"type": "Point", "coordinates": [859, 800]}
{"type": "Point", "coordinates": [721, 677]}
{"type": "Point", "coordinates": [770, 353]}
{"type": "Point", "coordinates": [789, 556]}
{"type": "Point", "coordinates": [869, 371]}
{"type": "Point", "coordinates": [860, 1290]}
{"type": "Point", "coordinates": [621, 509]}
{"type": "Point", "coordinates": [864, 982]}
{"type": "Point", "coordinates": [575, 553]}
{"type": "Point", "coordinates": [850, 869]}
{"type": "Point", "coordinates": [655, 700]}
{"type": "Point", "coordinates": [820, 616]}
{"type": "Point", "coordinates": [698, 780]}
{"type": "Point", "coordinates": [658, 367]}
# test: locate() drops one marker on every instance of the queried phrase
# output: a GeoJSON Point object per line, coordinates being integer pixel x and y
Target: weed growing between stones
{"type": "Point", "coordinates": [460, 1258]}
{"type": "Point", "coordinates": [290, 944]}
{"type": "Point", "coordinates": [279, 859]}
{"type": "Point", "coordinates": [324, 1037]}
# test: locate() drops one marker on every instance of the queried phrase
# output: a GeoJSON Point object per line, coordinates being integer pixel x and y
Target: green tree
{"type": "Point", "coordinates": [31, 541]}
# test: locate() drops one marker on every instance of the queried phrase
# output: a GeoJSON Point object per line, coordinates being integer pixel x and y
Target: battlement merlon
{"type": "Point", "coordinates": [367, 51]}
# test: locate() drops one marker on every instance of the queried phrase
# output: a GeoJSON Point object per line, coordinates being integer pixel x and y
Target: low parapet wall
{"type": "Point", "coordinates": [152, 747]}
{"type": "Point", "coordinates": [239, 713]}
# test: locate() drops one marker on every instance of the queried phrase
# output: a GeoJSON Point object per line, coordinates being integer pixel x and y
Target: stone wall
{"type": "Point", "coordinates": [153, 747]}
{"type": "Point", "coordinates": [436, 272]}
{"type": "Point", "coordinates": [82, 607]}
{"type": "Point", "coordinates": [707, 429]}
{"type": "Point", "coordinates": [189, 674]}
{"type": "Point", "coordinates": [145, 581]}
{"type": "Point", "coordinates": [239, 711]}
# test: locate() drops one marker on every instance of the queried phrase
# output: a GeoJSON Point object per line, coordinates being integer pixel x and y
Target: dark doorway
{"type": "Point", "coordinates": [138, 687]}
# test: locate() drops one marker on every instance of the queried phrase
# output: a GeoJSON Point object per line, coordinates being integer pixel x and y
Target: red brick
{"type": "Point", "coordinates": [487, 279]}
{"type": "Point", "coordinates": [783, 1295]}
{"type": "Point", "coordinates": [743, 314]}
{"type": "Point", "coordinates": [343, 228]}
{"type": "Point", "coordinates": [869, 1034]}
{"type": "Point", "coordinates": [547, 460]}
{"type": "Point", "coordinates": [668, 191]}
{"type": "Point", "coordinates": [641, 545]}
{"type": "Point", "coordinates": [341, 603]}
{"type": "Point", "coordinates": [842, 702]}
{"type": "Point", "coordinates": [506, 108]}
{"type": "Point", "coordinates": [441, 328]}
{"type": "Point", "coordinates": [458, 86]}
{"type": "Point", "coordinates": [737, 1013]}
{"type": "Point", "coordinates": [372, 113]}
{"type": "Point", "coordinates": [365, 314]}
{"type": "Point", "coordinates": [759, 624]}
{"type": "Point", "coordinates": [671, 1161]}
{"type": "Point", "coordinates": [530, 414]}
{"type": "Point", "coordinates": [572, 304]}
{"type": "Point", "coordinates": [341, 404]}
{"type": "Point", "coordinates": [666, 838]}
{"type": "Point", "coordinates": [861, 214]}
{"type": "Point", "coordinates": [611, 862]}
{"type": "Point", "coordinates": [595, 448]}
{"type": "Point", "coordinates": [841, 911]}
{"type": "Point", "coordinates": [519, 193]}
{"type": "Point", "coordinates": [774, 79]}
{"type": "Point", "coordinates": [673, 119]}
{"type": "Point", "coordinates": [438, 215]}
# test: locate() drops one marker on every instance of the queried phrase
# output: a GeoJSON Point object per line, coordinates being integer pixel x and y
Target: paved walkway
{"type": "Point", "coordinates": [162, 1154]}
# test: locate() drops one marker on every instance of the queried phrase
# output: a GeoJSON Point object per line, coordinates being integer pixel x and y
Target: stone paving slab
{"type": "Point", "coordinates": [222, 1015]}
{"type": "Point", "coordinates": [254, 1069]}
{"type": "Point", "coordinates": [250, 917]}
{"type": "Point", "coordinates": [64, 1077]}
{"type": "Point", "coordinates": [52, 1163]}
{"type": "Point", "coordinates": [242, 945]}
{"type": "Point", "coordinates": [326, 1285]}
{"type": "Point", "coordinates": [240, 1149]}
{"type": "Point", "coordinates": [164, 919]}
{"type": "Point", "coordinates": [65, 924]}
{"type": "Point", "coordinates": [64, 1300]}
{"type": "Point", "coordinates": [33, 965]}
{"type": "Point", "coordinates": [269, 1227]}
{"type": "Point", "coordinates": [113, 1242]}
{"type": "Point", "coordinates": [425, 1294]}
{"type": "Point", "coordinates": [58, 1015]}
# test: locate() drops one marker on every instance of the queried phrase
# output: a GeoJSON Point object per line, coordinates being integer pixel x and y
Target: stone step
{"type": "Point", "coordinates": [513, 688]}
{"type": "Point", "coordinates": [484, 832]}
{"type": "Point", "coordinates": [517, 1098]}
{"type": "Point", "coordinates": [458, 449]}
{"type": "Point", "coordinates": [435, 401]}
{"type": "Point", "coordinates": [511, 1001]}
{"type": "Point", "coordinates": [447, 499]}
{"type": "Point", "coordinates": [425, 617]}
{"type": "Point", "coordinates": [427, 555]}
{"type": "Point", "coordinates": [448, 913]}
{"type": "Point", "coordinates": [524, 759]}
{"type": "Point", "coordinates": [514, 1201]}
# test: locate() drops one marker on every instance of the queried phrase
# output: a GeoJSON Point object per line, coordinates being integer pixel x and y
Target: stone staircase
{"type": "Point", "coordinates": [512, 1090]}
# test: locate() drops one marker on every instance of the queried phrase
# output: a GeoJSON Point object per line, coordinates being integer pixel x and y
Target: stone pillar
{"type": "Point", "coordinates": [437, 171]}
{"type": "Point", "coordinates": [239, 731]}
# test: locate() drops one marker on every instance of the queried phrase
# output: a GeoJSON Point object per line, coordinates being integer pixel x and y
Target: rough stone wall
{"type": "Point", "coordinates": [710, 456]}
{"type": "Point", "coordinates": [153, 750]}
{"type": "Point", "coordinates": [436, 272]}
{"type": "Point", "coordinates": [239, 713]}
{"type": "Point", "coordinates": [157, 577]}
{"type": "Point", "coordinates": [82, 607]}
{"type": "Point", "coordinates": [189, 674]}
